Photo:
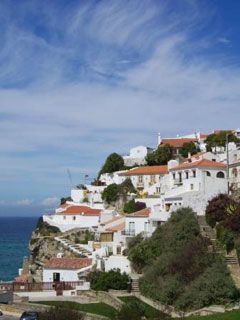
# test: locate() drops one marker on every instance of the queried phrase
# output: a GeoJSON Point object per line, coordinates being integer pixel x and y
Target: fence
{"type": "Point", "coordinates": [38, 286]}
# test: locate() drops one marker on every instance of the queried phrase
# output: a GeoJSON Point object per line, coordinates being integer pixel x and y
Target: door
{"type": "Point", "coordinates": [56, 277]}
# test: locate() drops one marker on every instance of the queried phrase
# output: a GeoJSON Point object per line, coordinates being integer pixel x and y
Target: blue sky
{"type": "Point", "coordinates": [81, 79]}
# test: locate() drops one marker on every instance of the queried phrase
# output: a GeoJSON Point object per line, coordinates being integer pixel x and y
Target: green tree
{"type": "Point", "coordinates": [160, 156]}
{"type": "Point", "coordinates": [219, 139]}
{"type": "Point", "coordinates": [129, 206]}
{"type": "Point", "coordinates": [114, 162]}
{"type": "Point", "coordinates": [189, 147]}
{"type": "Point", "coordinates": [111, 193]}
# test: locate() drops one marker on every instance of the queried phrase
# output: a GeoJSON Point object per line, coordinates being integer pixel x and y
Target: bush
{"type": "Point", "coordinates": [60, 314]}
{"type": "Point", "coordinates": [219, 208]}
{"type": "Point", "coordinates": [214, 286]}
{"type": "Point", "coordinates": [45, 229]}
{"type": "Point", "coordinates": [132, 206]}
{"type": "Point", "coordinates": [114, 162]}
{"type": "Point", "coordinates": [175, 261]}
{"type": "Point", "coordinates": [65, 199]}
{"type": "Point", "coordinates": [111, 193]}
{"type": "Point", "coordinates": [189, 147]}
{"type": "Point", "coordinates": [161, 156]}
{"type": "Point", "coordinates": [113, 279]}
{"type": "Point", "coordinates": [114, 191]}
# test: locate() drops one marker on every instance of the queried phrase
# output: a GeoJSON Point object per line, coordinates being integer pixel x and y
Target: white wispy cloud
{"type": "Point", "coordinates": [95, 78]}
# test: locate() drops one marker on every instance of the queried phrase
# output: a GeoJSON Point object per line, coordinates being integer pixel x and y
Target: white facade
{"type": "Point", "coordinates": [65, 275]}
{"type": "Point", "coordinates": [110, 178]}
{"type": "Point", "coordinates": [194, 187]}
{"type": "Point", "coordinates": [136, 225]}
{"type": "Point", "coordinates": [137, 156]}
{"type": "Point", "coordinates": [68, 222]}
{"type": "Point", "coordinates": [118, 262]}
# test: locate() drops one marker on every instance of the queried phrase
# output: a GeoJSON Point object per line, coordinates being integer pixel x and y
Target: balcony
{"type": "Point", "coordinates": [177, 182]}
{"type": "Point", "coordinates": [129, 233]}
{"type": "Point", "coordinates": [140, 185]}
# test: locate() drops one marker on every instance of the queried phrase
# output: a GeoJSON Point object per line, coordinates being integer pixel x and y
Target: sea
{"type": "Point", "coordinates": [15, 234]}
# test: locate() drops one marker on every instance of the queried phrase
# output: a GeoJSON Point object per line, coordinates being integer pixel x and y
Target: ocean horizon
{"type": "Point", "coordinates": [15, 233]}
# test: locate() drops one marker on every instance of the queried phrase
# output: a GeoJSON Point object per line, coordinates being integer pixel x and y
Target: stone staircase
{"type": "Point", "coordinates": [230, 258]}
{"type": "Point", "coordinates": [77, 249]}
{"type": "Point", "coordinates": [135, 286]}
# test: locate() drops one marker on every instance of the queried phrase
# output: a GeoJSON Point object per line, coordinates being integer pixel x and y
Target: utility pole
{"type": "Point", "coordinates": [228, 186]}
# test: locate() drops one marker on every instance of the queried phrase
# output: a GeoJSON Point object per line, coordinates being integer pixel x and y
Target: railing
{"type": "Point", "coordinates": [130, 233]}
{"type": "Point", "coordinates": [38, 286]}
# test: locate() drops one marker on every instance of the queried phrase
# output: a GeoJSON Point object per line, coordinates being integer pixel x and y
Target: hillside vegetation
{"type": "Point", "coordinates": [177, 268]}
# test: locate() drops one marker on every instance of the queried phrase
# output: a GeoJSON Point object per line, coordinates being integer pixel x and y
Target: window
{"type": "Point", "coordinates": [152, 179]}
{"type": "Point", "coordinates": [146, 226]}
{"type": "Point", "coordinates": [208, 174]}
{"type": "Point", "coordinates": [191, 186]}
{"type": "Point", "coordinates": [140, 179]}
{"type": "Point", "coordinates": [56, 277]}
{"type": "Point", "coordinates": [132, 226]}
{"type": "Point", "coordinates": [194, 173]}
{"type": "Point", "coordinates": [174, 176]}
{"type": "Point", "coordinates": [187, 174]}
{"type": "Point", "coordinates": [74, 218]}
{"type": "Point", "coordinates": [64, 217]}
{"type": "Point", "coordinates": [158, 189]}
{"type": "Point", "coordinates": [220, 175]}
{"type": "Point", "coordinates": [180, 176]}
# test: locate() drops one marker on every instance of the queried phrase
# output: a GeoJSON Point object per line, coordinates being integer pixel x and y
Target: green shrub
{"type": "Point", "coordinates": [113, 279]}
{"type": "Point", "coordinates": [45, 229]}
{"type": "Point", "coordinates": [175, 261]}
{"type": "Point", "coordinates": [114, 191]}
{"type": "Point", "coordinates": [213, 286]}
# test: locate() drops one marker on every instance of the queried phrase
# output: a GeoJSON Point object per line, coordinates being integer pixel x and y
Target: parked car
{"type": "Point", "coordinates": [29, 315]}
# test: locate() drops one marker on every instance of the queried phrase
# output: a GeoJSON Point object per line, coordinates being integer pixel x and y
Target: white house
{"type": "Point", "coordinates": [114, 177]}
{"type": "Point", "coordinates": [147, 178]}
{"type": "Point", "coordinates": [193, 183]}
{"type": "Point", "coordinates": [137, 222]}
{"type": "Point", "coordinates": [66, 269]}
{"type": "Point", "coordinates": [137, 156]}
{"type": "Point", "coordinates": [69, 216]}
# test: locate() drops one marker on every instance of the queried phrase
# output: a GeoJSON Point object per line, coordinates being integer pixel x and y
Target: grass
{"type": "Point", "coordinates": [230, 315]}
{"type": "Point", "coordinates": [101, 309]}
{"type": "Point", "coordinates": [150, 312]}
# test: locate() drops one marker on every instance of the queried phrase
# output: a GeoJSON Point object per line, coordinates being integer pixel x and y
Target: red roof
{"type": "Point", "coordinates": [68, 263]}
{"type": "Point", "coordinates": [83, 210]}
{"type": "Point", "coordinates": [146, 170]}
{"type": "Point", "coordinates": [200, 163]}
{"type": "Point", "coordinates": [144, 213]}
{"type": "Point", "coordinates": [177, 142]}
{"type": "Point", "coordinates": [118, 227]}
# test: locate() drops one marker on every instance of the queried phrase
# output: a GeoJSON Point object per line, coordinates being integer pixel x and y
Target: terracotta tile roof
{"type": "Point", "coordinates": [118, 227]}
{"type": "Point", "coordinates": [22, 279]}
{"type": "Point", "coordinates": [177, 142]}
{"type": "Point", "coordinates": [68, 263]}
{"type": "Point", "coordinates": [82, 210]}
{"type": "Point", "coordinates": [200, 163]}
{"type": "Point", "coordinates": [146, 170]}
{"type": "Point", "coordinates": [144, 213]}
{"type": "Point", "coordinates": [204, 135]}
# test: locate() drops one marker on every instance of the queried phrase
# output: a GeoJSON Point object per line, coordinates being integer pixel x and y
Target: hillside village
{"type": "Point", "coordinates": [133, 196]}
